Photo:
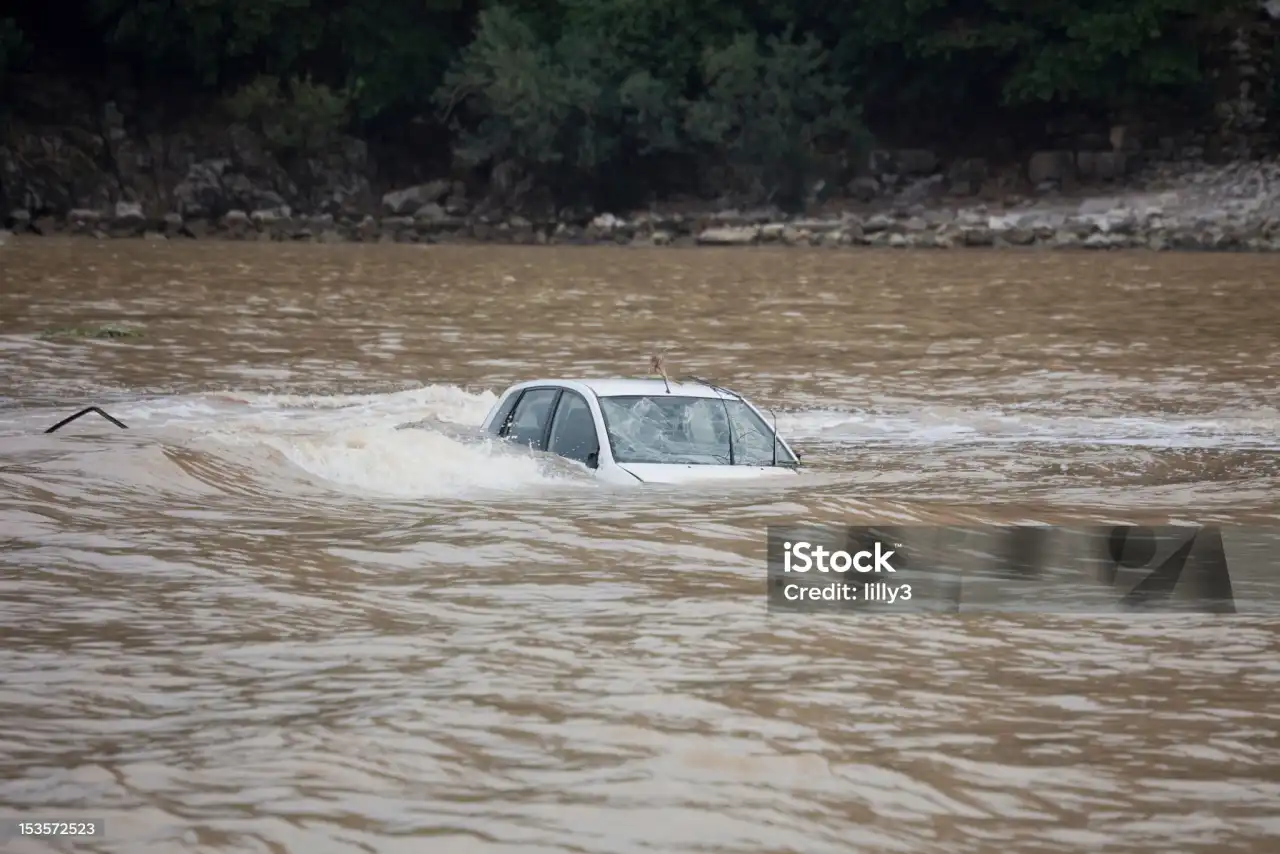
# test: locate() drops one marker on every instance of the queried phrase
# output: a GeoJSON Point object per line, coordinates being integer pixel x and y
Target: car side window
{"type": "Point", "coordinates": [504, 415]}
{"type": "Point", "coordinates": [573, 432]}
{"type": "Point", "coordinates": [529, 423]}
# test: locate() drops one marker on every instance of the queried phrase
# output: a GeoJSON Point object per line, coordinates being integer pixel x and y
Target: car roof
{"type": "Point", "coordinates": [621, 386]}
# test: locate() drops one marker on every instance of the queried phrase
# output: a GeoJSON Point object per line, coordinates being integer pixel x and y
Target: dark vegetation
{"type": "Point", "coordinates": [613, 101]}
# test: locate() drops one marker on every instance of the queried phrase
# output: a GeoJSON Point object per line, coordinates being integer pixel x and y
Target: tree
{"type": "Point", "coordinates": [768, 109]}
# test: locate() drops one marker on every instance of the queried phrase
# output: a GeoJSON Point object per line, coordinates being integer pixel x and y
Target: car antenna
{"type": "Point", "coordinates": [657, 366]}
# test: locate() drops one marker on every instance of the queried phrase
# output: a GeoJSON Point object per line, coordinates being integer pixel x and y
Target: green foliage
{"type": "Point", "coordinates": [207, 40]}
{"type": "Point", "coordinates": [296, 117]}
{"type": "Point", "coordinates": [628, 80]}
{"type": "Point", "coordinates": [562, 110]}
{"type": "Point", "coordinates": [1009, 54]}
{"type": "Point", "coordinates": [391, 54]}
{"type": "Point", "coordinates": [768, 108]}
{"type": "Point", "coordinates": [616, 98]}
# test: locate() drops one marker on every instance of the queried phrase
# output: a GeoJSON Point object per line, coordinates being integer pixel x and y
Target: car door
{"type": "Point", "coordinates": [532, 415]}
{"type": "Point", "coordinates": [573, 430]}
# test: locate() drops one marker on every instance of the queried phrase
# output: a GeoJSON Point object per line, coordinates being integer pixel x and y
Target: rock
{"type": "Point", "coordinates": [792, 236]}
{"type": "Point", "coordinates": [1103, 165]}
{"type": "Point", "coordinates": [750, 217]}
{"type": "Point", "coordinates": [864, 189]}
{"type": "Point", "coordinates": [772, 232]}
{"type": "Point", "coordinates": [816, 225]}
{"type": "Point", "coordinates": [128, 217]}
{"type": "Point", "coordinates": [236, 222]}
{"type": "Point", "coordinates": [606, 226]}
{"type": "Point", "coordinates": [268, 217]}
{"type": "Point", "coordinates": [200, 194]}
{"type": "Point", "coordinates": [431, 212]}
{"type": "Point", "coordinates": [729, 236]}
{"type": "Point", "coordinates": [410, 199]}
{"type": "Point", "coordinates": [966, 177]}
{"type": "Point", "coordinates": [172, 223]}
{"type": "Point", "coordinates": [1119, 221]}
{"type": "Point", "coordinates": [1051, 166]}
{"type": "Point", "coordinates": [978, 236]}
{"type": "Point", "coordinates": [605, 223]}
{"type": "Point", "coordinates": [20, 220]}
{"type": "Point", "coordinates": [1080, 226]}
{"type": "Point", "coordinates": [1106, 241]}
{"type": "Point", "coordinates": [879, 222]}
{"type": "Point", "coordinates": [83, 220]}
{"type": "Point", "coordinates": [397, 224]}
{"type": "Point", "coordinates": [1065, 239]}
{"type": "Point", "coordinates": [1018, 236]}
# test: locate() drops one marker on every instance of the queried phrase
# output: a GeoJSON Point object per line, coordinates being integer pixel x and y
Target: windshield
{"type": "Point", "coordinates": [688, 430]}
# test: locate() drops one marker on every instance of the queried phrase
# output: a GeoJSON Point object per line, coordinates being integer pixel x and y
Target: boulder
{"type": "Point", "coordinates": [864, 189]}
{"type": "Point", "coordinates": [966, 177]}
{"type": "Point", "coordinates": [407, 201]}
{"type": "Point", "coordinates": [1051, 166]}
{"type": "Point", "coordinates": [729, 236]}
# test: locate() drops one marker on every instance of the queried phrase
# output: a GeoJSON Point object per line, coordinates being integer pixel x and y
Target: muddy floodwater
{"type": "Point", "coordinates": [264, 619]}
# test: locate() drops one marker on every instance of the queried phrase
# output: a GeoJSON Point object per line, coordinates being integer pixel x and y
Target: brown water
{"type": "Point", "coordinates": [265, 620]}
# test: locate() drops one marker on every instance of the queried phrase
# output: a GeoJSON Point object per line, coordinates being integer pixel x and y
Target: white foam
{"type": "Point", "coordinates": [412, 463]}
{"type": "Point", "coordinates": [355, 441]}
{"type": "Point", "coordinates": [937, 426]}
{"type": "Point", "coordinates": [349, 442]}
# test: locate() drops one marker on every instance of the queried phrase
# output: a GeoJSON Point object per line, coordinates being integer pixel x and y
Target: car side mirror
{"type": "Point", "coordinates": [593, 460]}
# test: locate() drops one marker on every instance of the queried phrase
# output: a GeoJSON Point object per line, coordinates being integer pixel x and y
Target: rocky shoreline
{"type": "Point", "coordinates": [1231, 208]}
{"type": "Point", "coordinates": [1167, 200]}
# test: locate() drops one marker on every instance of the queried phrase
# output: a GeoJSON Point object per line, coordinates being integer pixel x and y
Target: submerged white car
{"type": "Point", "coordinates": [646, 430]}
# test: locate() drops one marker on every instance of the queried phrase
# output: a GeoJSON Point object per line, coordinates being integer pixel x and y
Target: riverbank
{"type": "Point", "coordinates": [1187, 206]}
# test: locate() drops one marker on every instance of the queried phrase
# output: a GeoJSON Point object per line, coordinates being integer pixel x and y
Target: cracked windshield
{"type": "Point", "coordinates": [639, 428]}
{"type": "Point", "coordinates": [691, 430]}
